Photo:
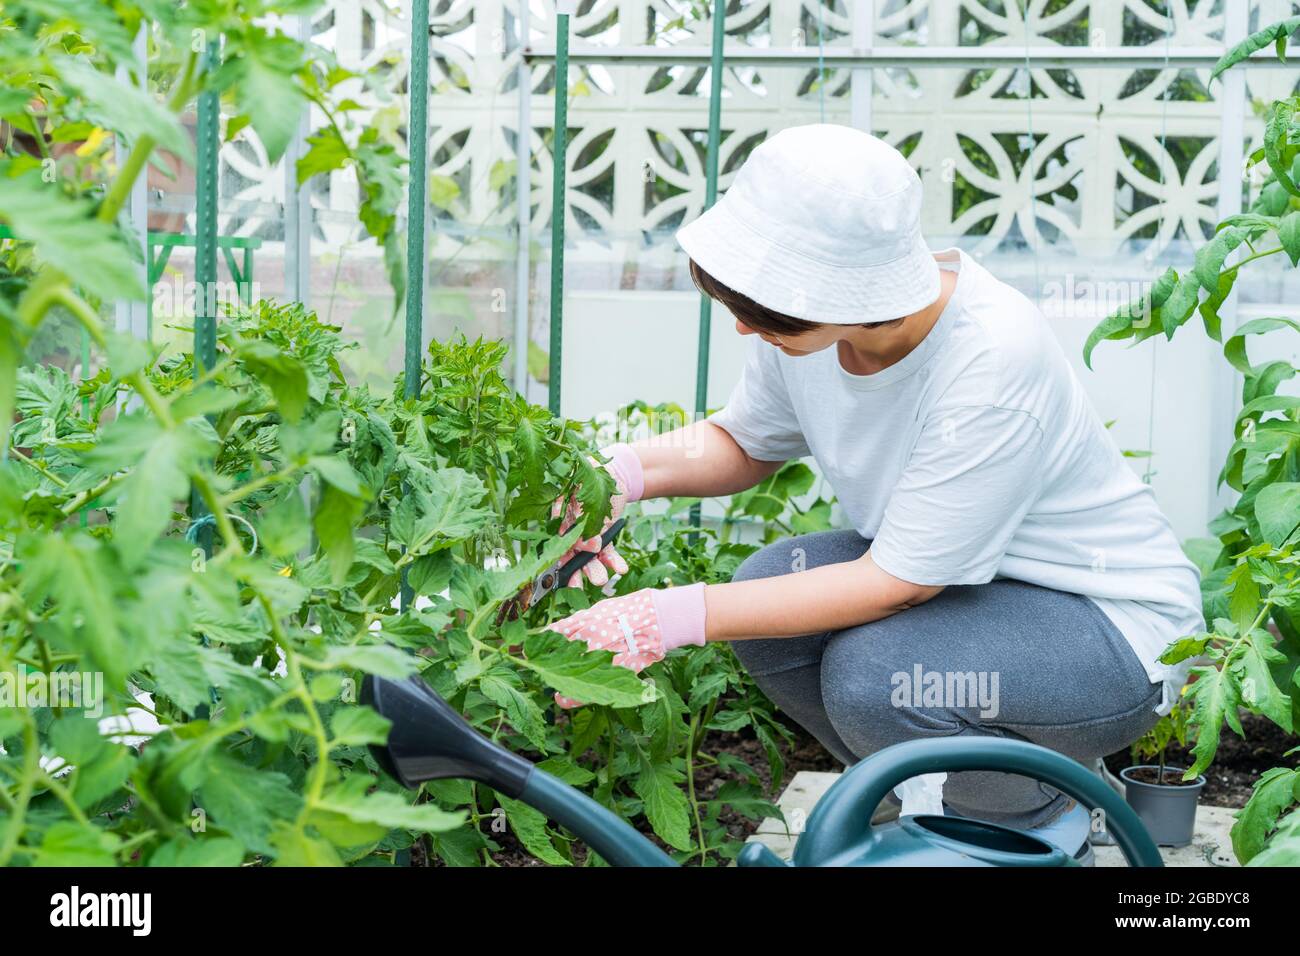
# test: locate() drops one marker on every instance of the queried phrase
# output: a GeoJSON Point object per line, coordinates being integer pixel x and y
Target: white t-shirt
{"type": "Point", "coordinates": [978, 456]}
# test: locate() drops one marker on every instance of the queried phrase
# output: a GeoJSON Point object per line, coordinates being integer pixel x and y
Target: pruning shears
{"type": "Point", "coordinates": [555, 577]}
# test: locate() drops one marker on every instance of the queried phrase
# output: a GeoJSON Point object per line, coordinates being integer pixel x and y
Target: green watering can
{"type": "Point", "coordinates": [430, 741]}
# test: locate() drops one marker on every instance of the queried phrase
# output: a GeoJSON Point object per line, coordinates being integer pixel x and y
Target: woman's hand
{"type": "Point", "coordinates": [629, 481]}
{"type": "Point", "coordinates": [639, 628]}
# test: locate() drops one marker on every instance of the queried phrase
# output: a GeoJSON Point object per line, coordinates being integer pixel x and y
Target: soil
{"type": "Point", "coordinates": [1152, 775]}
{"type": "Point", "coordinates": [1237, 765]}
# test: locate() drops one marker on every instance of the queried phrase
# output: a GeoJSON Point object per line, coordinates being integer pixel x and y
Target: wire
{"type": "Point", "coordinates": [1032, 233]}
{"type": "Point", "coordinates": [821, 63]}
{"type": "Point", "coordinates": [1160, 215]}
{"type": "Point", "coordinates": [206, 520]}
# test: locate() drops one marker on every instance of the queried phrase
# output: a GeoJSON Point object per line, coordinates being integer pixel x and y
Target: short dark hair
{"type": "Point", "coordinates": [757, 317]}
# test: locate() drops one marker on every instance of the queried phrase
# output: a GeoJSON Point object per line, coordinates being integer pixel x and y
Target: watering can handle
{"type": "Point", "coordinates": [842, 815]}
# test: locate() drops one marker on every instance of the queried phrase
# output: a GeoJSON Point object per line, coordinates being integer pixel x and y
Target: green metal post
{"type": "Point", "coordinates": [418, 144]}
{"type": "Point", "coordinates": [208, 136]}
{"type": "Point", "coordinates": [559, 138]}
{"type": "Point", "coordinates": [207, 145]}
{"type": "Point", "coordinates": [710, 196]}
{"type": "Point", "coordinates": [417, 137]}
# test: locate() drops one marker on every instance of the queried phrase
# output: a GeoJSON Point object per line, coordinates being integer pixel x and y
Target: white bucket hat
{"type": "Point", "coordinates": [822, 223]}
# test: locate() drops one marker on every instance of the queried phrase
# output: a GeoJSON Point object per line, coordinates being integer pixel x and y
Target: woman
{"type": "Point", "coordinates": [1006, 572]}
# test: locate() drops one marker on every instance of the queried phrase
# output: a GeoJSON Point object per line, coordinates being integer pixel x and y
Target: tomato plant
{"type": "Point", "coordinates": [1250, 570]}
{"type": "Point", "coordinates": [247, 660]}
{"type": "Point", "coordinates": [198, 564]}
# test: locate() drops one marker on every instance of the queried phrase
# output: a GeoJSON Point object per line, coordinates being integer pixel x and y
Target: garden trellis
{"type": "Point", "coordinates": [863, 58]}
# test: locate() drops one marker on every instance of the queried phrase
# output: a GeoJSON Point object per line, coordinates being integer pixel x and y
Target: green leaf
{"type": "Point", "coordinates": [524, 715]}
{"type": "Point", "coordinates": [378, 659]}
{"type": "Point", "coordinates": [335, 470]}
{"type": "Point", "coordinates": [1234, 350]}
{"type": "Point", "coordinates": [69, 237]}
{"type": "Point", "coordinates": [430, 574]}
{"type": "Point", "coordinates": [1277, 129]}
{"type": "Point", "coordinates": [246, 801]}
{"type": "Point", "coordinates": [529, 442]}
{"type": "Point", "coordinates": [1209, 309]}
{"type": "Point", "coordinates": [1273, 35]}
{"type": "Point", "coordinates": [445, 511]}
{"type": "Point", "coordinates": [595, 487]}
{"type": "Point", "coordinates": [1185, 648]}
{"type": "Point", "coordinates": [160, 462]}
{"type": "Point", "coordinates": [76, 573]}
{"type": "Point", "coordinates": [1258, 690]}
{"type": "Point", "coordinates": [502, 172]}
{"type": "Point", "coordinates": [746, 801]}
{"type": "Point", "coordinates": [11, 354]}
{"type": "Point", "coordinates": [1277, 508]}
{"type": "Point", "coordinates": [1210, 257]}
{"type": "Point", "coordinates": [1178, 308]}
{"type": "Point", "coordinates": [507, 583]}
{"type": "Point", "coordinates": [1132, 317]}
{"type": "Point", "coordinates": [1274, 792]}
{"type": "Point", "coordinates": [1283, 849]}
{"type": "Point", "coordinates": [443, 190]}
{"type": "Point", "coordinates": [336, 514]}
{"type": "Point", "coordinates": [72, 844]}
{"type": "Point", "coordinates": [283, 528]}
{"type": "Point", "coordinates": [665, 805]}
{"type": "Point", "coordinates": [281, 373]}
{"type": "Point", "coordinates": [125, 108]}
{"type": "Point", "coordinates": [461, 847]}
{"type": "Point", "coordinates": [326, 152]}
{"type": "Point", "coordinates": [77, 739]}
{"type": "Point", "coordinates": [126, 354]}
{"type": "Point", "coordinates": [585, 676]}
{"type": "Point", "coordinates": [530, 829]}
{"type": "Point", "coordinates": [385, 809]}
{"type": "Point", "coordinates": [292, 847]}
{"type": "Point", "coordinates": [105, 774]}
{"type": "Point", "coordinates": [181, 677]}
{"type": "Point", "coordinates": [1244, 604]}
{"type": "Point", "coordinates": [358, 726]}
{"type": "Point", "coordinates": [211, 851]}
{"type": "Point", "coordinates": [1215, 696]}
{"type": "Point", "coordinates": [1288, 233]}
{"type": "Point", "coordinates": [564, 769]}
{"type": "Point", "coordinates": [265, 88]}
{"type": "Point", "coordinates": [539, 363]}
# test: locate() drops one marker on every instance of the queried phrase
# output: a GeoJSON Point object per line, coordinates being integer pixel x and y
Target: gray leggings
{"type": "Point", "coordinates": [1006, 659]}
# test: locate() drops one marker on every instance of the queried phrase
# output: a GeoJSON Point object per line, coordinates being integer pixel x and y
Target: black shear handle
{"type": "Point", "coordinates": [582, 558]}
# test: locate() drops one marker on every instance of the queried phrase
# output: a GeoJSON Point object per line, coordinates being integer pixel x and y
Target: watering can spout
{"type": "Point", "coordinates": [429, 740]}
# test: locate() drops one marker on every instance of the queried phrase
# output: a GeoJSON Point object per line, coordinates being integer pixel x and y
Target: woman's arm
{"type": "Point", "coordinates": [700, 460]}
{"type": "Point", "coordinates": [829, 598]}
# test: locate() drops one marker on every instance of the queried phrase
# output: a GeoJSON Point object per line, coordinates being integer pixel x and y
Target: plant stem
{"type": "Point", "coordinates": [64, 797]}
{"type": "Point", "coordinates": [319, 770]}
{"type": "Point", "coordinates": [120, 191]}
{"type": "Point", "coordinates": [690, 784]}
{"type": "Point", "coordinates": [38, 466]}
{"type": "Point", "coordinates": [26, 786]}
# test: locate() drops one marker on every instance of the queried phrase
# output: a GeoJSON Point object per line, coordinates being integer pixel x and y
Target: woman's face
{"type": "Point", "coordinates": [804, 343]}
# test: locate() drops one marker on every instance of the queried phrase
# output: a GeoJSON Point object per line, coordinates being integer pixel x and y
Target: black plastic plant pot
{"type": "Point", "coordinates": [1167, 810]}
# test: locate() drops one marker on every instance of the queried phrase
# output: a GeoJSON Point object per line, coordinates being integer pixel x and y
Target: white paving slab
{"type": "Point", "coordinates": [1210, 846]}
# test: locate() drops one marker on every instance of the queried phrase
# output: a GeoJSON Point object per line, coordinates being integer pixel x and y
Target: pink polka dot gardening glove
{"type": "Point", "coordinates": [629, 479]}
{"type": "Point", "coordinates": [639, 628]}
